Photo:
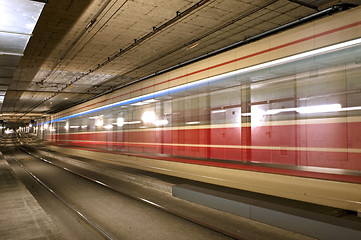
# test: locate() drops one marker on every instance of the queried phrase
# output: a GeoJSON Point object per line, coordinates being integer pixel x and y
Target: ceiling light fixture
{"type": "Point", "coordinates": [11, 54]}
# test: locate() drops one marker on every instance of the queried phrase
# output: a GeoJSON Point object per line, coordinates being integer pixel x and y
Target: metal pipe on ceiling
{"type": "Point", "coordinates": [155, 30]}
{"type": "Point", "coordinates": [331, 10]}
{"type": "Point", "coordinates": [136, 42]}
{"type": "Point", "coordinates": [81, 34]}
{"type": "Point", "coordinates": [66, 53]}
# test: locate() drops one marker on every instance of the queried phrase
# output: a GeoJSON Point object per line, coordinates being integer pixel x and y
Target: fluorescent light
{"type": "Point", "coordinates": [8, 131]}
{"type": "Point", "coordinates": [144, 102]}
{"type": "Point", "coordinates": [351, 108]}
{"type": "Point", "coordinates": [219, 111]}
{"type": "Point", "coordinates": [96, 117]}
{"type": "Point", "coordinates": [74, 126]}
{"type": "Point", "coordinates": [148, 117]}
{"type": "Point", "coordinates": [277, 111]}
{"type": "Point", "coordinates": [191, 123]}
{"type": "Point", "coordinates": [99, 122]}
{"type": "Point", "coordinates": [109, 126]}
{"type": "Point", "coordinates": [134, 122]}
{"type": "Point", "coordinates": [120, 122]}
{"type": "Point", "coordinates": [161, 122]}
{"type": "Point", "coordinates": [319, 108]}
{"type": "Point", "coordinates": [257, 116]}
{"type": "Point", "coordinates": [12, 54]}
{"type": "Point", "coordinates": [308, 109]}
{"type": "Point", "coordinates": [138, 104]}
{"type": "Point", "coordinates": [149, 101]}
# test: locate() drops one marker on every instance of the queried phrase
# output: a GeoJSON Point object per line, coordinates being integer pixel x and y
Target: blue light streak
{"type": "Point", "coordinates": [203, 82]}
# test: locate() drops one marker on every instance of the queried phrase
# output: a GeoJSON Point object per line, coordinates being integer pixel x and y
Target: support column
{"type": "Point", "coordinates": [246, 132]}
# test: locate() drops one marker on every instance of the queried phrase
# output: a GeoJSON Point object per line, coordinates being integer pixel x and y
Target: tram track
{"type": "Point", "coordinates": [212, 230]}
{"type": "Point", "coordinates": [56, 195]}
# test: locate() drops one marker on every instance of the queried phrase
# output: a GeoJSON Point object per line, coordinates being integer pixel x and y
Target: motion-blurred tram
{"type": "Point", "coordinates": [279, 116]}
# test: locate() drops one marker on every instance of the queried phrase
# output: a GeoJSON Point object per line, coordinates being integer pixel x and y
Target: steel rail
{"type": "Point", "coordinates": [57, 196]}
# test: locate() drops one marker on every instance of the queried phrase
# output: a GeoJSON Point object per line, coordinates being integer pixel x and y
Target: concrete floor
{"type": "Point", "coordinates": [118, 215]}
{"type": "Point", "coordinates": [21, 216]}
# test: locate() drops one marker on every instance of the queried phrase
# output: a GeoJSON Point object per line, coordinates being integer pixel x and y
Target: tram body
{"type": "Point", "coordinates": [279, 116]}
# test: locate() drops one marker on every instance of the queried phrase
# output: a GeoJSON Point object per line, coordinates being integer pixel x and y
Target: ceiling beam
{"type": "Point", "coordinates": [49, 92]}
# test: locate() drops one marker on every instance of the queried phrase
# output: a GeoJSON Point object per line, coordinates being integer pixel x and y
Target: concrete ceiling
{"type": "Point", "coordinates": [80, 49]}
